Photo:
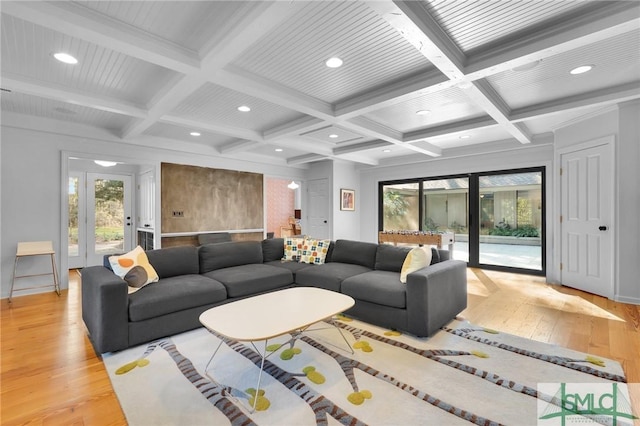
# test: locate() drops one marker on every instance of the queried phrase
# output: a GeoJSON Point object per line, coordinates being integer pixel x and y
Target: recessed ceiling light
{"type": "Point", "coordinates": [423, 112]}
{"type": "Point", "coordinates": [581, 69]}
{"type": "Point", "coordinates": [334, 62]}
{"type": "Point", "coordinates": [195, 133]}
{"type": "Point", "coordinates": [465, 84]}
{"type": "Point", "coordinates": [279, 150]}
{"type": "Point", "coordinates": [105, 163]}
{"type": "Point", "coordinates": [244, 108]}
{"type": "Point", "coordinates": [66, 58]}
{"type": "Point", "coordinates": [386, 150]}
{"type": "Point", "coordinates": [465, 136]}
{"type": "Point", "coordinates": [333, 136]}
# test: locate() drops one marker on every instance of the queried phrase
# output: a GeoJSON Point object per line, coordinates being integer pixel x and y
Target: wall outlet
{"type": "Point", "coordinates": [178, 213]}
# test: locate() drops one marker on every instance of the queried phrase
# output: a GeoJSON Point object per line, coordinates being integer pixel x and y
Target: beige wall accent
{"type": "Point", "coordinates": [210, 199]}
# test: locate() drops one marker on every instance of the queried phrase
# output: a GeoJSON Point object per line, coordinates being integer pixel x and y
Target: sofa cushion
{"type": "Point", "coordinates": [380, 287]}
{"type": "Point", "coordinates": [355, 252]}
{"type": "Point", "coordinates": [390, 258]}
{"type": "Point", "coordinates": [224, 255]}
{"type": "Point", "coordinates": [435, 256]}
{"type": "Point", "coordinates": [294, 267]}
{"type": "Point", "coordinates": [328, 275]}
{"type": "Point", "coordinates": [174, 261]}
{"type": "Point", "coordinates": [272, 249]}
{"type": "Point", "coordinates": [251, 279]}
{"type": "Point", "coordinates": [174, 294]}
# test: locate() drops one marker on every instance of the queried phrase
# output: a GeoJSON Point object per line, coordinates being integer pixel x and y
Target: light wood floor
{"type": "Point", "coordinates": [51, 375]}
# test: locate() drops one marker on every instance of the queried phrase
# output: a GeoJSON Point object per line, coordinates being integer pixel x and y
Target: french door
{"type": "Point", "coordinates": [100, 217]}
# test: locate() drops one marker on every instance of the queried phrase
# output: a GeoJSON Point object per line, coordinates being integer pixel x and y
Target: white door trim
{"type": "Point", "coordinates": [609, 141]}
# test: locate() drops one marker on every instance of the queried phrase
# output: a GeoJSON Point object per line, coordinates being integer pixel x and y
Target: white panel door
{"type": "Point", "coordinates": [318, 216]}
{"type": "Point", "coordinates": [587, 213]}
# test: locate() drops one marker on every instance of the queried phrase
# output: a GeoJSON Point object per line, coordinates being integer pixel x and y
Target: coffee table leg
{"type": "Point", "coordinates": [212, 356]}
{"type": "Point", "coordinates": [263, 355]}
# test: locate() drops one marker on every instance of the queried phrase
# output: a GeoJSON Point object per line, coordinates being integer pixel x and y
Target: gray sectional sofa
{"type": "Point", "coordinates": [194, 279]}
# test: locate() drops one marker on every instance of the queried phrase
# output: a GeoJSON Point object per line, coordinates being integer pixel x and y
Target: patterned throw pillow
{"type": "Point", "coordinates": [292, 248]}
{"type": "Point", "coordinates": [314, 251]}
{"type": "Point", "coordinates": [134, 268]}
{"type": "Point", "coordinates": [417, 258]}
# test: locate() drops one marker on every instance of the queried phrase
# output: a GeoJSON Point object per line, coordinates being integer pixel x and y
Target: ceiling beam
{"type": "Point", "coordinates": [222, 129]}
{"type": "Point", "coordinates": [445, 129]}
{"type": "Point", "coordinates": [236, 146]}
{"type": "Point", "coordinates": [602, 97]}
{"type": "Point", "coordinates": [57, 92]}
{"type": "Point", "coordinates": [85, 24]}
{"type": "Point", "coordinates": [602, 21]}
{"type": "Point", "coordinates": [307, 158]}
{"type": "Point", "coordinates": [362, 146]}
{"type": "Point", "coordinates": [295, 127]}
{"type": "Point", "coordinates": [403, 90]}
{"type": "Point", "coordinates": [375, 130]}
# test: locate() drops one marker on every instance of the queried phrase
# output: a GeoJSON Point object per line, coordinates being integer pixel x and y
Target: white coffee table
{"type": "Point", "coordinates": [270, 315]}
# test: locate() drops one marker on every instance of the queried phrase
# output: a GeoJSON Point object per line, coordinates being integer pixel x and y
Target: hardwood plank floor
{"type": "Point", "coordinates": [50, 374]}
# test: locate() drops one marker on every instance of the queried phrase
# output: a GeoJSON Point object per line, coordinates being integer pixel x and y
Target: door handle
{"type": "Point", "coordinates": [602, 228]}
{"type": "Point", "coordinates": [128, 224]}
{"type": "Point", "coordinates": [325, 221]}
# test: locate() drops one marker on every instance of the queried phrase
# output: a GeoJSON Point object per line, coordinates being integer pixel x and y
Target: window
{"type": "Point", "coordinates": [497, 217]}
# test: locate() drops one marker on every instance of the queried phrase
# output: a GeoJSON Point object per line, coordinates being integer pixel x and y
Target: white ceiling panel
{"type": "Point", "coordinates": [189, 24]}
{"type": "Point", "coordinates": [553, 122]}
{"type": "Point", "coordinates": [443, 107]}
{"type": "Point", "coordinates": [468, 137]}
{"type": "Point", "coordinates": [28, 49]}
{"type": "Point", "coordinates": [294, 55]}
{"type": "Point", "coordinates": [170, 131]}
{"type": "Point", "coordinates": [472, 24]}
{"type": "Point", "coordinates": [333, 135]}
{"type": "Point", "coordinates": [616, 60]}
{"type": "Point", "coordinates": [40, 107]}
{"type": "Point", "coordinates": [217, 104]}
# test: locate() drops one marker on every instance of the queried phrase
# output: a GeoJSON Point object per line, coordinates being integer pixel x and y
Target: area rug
{"type": "Point", "coordinates": [462, 374]}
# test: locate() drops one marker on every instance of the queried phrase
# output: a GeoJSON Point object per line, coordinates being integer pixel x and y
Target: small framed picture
{"type": "Point", "coordinates": [347, 199]}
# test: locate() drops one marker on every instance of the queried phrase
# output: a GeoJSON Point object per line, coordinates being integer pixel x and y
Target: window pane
{"type": "Point", "coordinates": [446, 209]}
{"type": "Point", "coordinates": [109, 219]}
{"type": "Point", "coordinates": [511, 220]}
{"type": "Point", "coordinates": [72, 242]}
{"type": "Point", "coordinates": [400, 207]}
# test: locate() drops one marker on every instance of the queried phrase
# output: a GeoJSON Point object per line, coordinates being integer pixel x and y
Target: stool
{"type": "Point", "coordinates": [35, 248]}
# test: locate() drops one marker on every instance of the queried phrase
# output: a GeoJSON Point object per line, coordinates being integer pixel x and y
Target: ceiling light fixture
{"type": "Point", "coordinates": [66, 58]}
{"type": "Point", "coordinates": [386, 150]}
{"type": "Point", "coordinates": [333, 136]}
{"type": "Point", "coordinates": [581, 69]}
{"type": "Point", "coordinates": [195, 133]}
{"type": "Point", "coordinates": [279, 150]}
{"type": "Point", "coordinates": [465, 136]}
{"type": "Point", "coordinates": [244, 108]}
{"type": "Point", "coordinates": [334, 62]}
{"type": "Point", "coordinates": [293, 185]}
{"type": "Point", "coordinates": [423, 112]}
{"type": "Point", "coordinates": [105, 163]}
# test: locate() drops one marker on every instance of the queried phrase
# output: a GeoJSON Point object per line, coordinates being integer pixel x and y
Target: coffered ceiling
{"type": "Point", "coordinates": [419, 79]}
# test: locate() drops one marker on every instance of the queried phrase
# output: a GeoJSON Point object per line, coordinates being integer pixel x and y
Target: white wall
{"type": "Point", "coordinates": [31, 183]}
{"type": "Point", "coordinates": [346, 224]}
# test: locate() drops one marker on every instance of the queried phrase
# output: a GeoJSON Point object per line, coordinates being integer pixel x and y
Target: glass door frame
{"type": "Point", "coordinates": [473, 198]}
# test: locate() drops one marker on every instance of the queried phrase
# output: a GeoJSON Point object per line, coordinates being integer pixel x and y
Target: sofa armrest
{"type": "Point", "coordinates": [435, 295]}
{"type": "Point", "coordinates": [105, 309]}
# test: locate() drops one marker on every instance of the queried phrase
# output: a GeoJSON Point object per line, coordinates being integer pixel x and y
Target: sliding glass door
{"type": "Point", "coordinates": [497, 218]}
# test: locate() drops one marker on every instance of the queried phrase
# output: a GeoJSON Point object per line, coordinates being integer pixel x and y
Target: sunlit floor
{"type": "Point", "coordinates": [515, 256]}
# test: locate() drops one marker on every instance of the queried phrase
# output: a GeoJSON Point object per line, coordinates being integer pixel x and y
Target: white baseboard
{"type": "Point", "coordinates": [630, 300]}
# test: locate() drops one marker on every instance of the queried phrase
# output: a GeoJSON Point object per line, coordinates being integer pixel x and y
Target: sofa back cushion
{"type": "Point", "coordinates": [174, 261]}
{"type": "Point", "coordinates": [272, 249]}
{"type": "Point", "coordinates": [354, 252]}
{"type": "Point", "coordinates": [390, 258]}
{"type": "Point", "coordinates": [224, 255]}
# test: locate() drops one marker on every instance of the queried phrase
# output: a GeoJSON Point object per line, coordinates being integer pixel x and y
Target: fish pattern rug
{"type": "Point", "coordinates": [463, 374]}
